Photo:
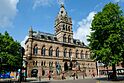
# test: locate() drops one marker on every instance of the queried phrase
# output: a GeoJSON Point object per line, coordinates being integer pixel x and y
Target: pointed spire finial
{"type": "Point", "coordinates": [62, 4]}
{"type": "Point", "coordinates": [30, 31]}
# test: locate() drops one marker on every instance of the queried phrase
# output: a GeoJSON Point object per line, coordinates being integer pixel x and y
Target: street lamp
{"type": "Point", "coordinates": [1, 63]}
{"type": "Point", "coordinates": [22, 51]}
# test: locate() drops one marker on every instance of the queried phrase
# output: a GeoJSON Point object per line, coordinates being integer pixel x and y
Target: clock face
{"type": "Point", "coordinates": [66, 19]}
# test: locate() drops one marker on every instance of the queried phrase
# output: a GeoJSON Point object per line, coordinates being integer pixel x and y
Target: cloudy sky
{"type": "Point", "coordinates": [16, 16]}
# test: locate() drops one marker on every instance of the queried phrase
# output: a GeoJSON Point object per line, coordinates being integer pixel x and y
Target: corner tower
{"type": "Point", "coordinates": [63, 26]}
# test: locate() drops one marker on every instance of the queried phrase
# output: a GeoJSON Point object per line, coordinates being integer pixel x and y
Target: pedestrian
{"type": "Point", "coordinates": [76, 76]}
{"type": "Point", "coordinates": [39, 78]}
{"type": "Point", "coordinates": [73, 76]}
{"type": "Point", "coordinates": [83, 75]}
{"type": "Point", "coordinates": [49, 75]}
{"type": "Point", "coordinates": [63, 76]}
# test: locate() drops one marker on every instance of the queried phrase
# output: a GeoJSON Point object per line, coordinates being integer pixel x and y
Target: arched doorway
{"type": "Point", "coordinates": [43, 72]}
{"type": "Point", "coordinates": [34, 73]}
{"type": "Point", "coordinates": [65, 66]}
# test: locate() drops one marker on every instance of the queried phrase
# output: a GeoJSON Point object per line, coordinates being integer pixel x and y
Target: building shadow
{"type": "Point", "coordinates": [40, 82]}
{"type": "Point", "coordinates": [9, 81]}
{"type": "Point", "coordinates": [120, 78]}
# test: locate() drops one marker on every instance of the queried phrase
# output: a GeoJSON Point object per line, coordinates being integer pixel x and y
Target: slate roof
{"type": "Point", "coordinates": [52, 37]}
{"type": "Point", "coordinates": [43, 35]}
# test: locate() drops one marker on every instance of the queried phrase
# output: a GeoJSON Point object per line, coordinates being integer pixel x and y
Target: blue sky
{"type": "Point", "coordinates": [17, 16]}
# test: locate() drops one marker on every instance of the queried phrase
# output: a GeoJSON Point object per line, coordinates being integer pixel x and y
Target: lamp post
{"type": "Point", "coordinates": [22, 50]}
{"type": "Point", "coordinates": [1, 64]}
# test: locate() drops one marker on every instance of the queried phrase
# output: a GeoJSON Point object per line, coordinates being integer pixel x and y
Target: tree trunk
{"type": "Point", "coordinates": [114, 71]}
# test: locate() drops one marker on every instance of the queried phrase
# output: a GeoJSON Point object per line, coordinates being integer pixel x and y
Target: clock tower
{"type": "Point", "coordinates": [63, 26]}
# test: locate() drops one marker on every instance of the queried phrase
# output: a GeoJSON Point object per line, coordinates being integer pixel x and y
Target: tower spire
{"type": "Point", "coordinates": [63, 26]}
{"type": "Point", "coordinates": [62, 5]}
{"type": "Point", "coordinates": [62, 11]}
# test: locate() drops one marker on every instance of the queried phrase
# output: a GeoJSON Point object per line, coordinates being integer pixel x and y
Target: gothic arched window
{"type": "Point", "coordinates": [36, 63]}
{"type": "Point", "coordinates": [70, 53]}
{"type": "Point", "coordinates": [42, 63]}
{"type": "Point", "coordinates": [69, 39]}
{"type": "Point", "coordinates": [64, 38]}
{"type": "Point", "coordinates": [63, 27]}
{"type": "Point", "coordinates": [35, 50]}
{"type": "Point", "coordinates": [76, 53]}
{"type": "Point", "coordinates": [69, 28]}
{"type": "Point", "coordinates": [43, 50]}
{"type": "Point", "coordinates": [50, 64]}
{"type": "Point", "coordinates": [57, 52]}
{"type": "Point", "coordinates": [66, 28]}
{"type": "Point", "coordinates": [50, 51]}
{"type": "Point", "coordinates": [65, 52]}
{"type": "Point", "coordinates": [33, 62]}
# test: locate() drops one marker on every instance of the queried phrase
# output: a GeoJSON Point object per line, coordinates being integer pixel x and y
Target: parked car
{"type": "Point", "coordinates": [6, 75]}
{"type": "Point", "coordinates": [111, 76]}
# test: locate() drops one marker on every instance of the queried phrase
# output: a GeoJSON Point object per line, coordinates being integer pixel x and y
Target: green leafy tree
{"type": "Point", "coordinates": [106, 39]}
{"type": "Point", "coordinates": [9, 52]}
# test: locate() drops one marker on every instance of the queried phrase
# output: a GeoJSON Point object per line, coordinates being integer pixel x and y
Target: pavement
{"type": "Point", "coordinates": [80, 80]}
{"type": "Point", "coordinates": [67, 80]}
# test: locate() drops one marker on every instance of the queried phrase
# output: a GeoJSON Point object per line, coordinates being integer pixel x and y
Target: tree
{"type": "Point", "coordinates": [106, 38]}
{"type": "Point", "coordinates": [9, 52]}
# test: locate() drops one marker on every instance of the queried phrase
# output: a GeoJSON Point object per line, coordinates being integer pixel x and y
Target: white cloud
{"type": "Point", "coordinates": [61, 1]}
{"type": "Point", "coordinates": [8, 10]}
{"type": "Point", "coordinates": [84, 28]}
{"type": "Point", "coordinates": [118, 0]}
{"type": "Point", "coordinates": [39, 3]}
{"type": "Point", "coordinates": [23, 42]}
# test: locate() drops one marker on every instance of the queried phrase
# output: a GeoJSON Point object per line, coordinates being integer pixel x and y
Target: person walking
{"type": "Point", "coordinates": [83, 75]}
{"type": "Point", "coordinates": [76, 75]}
{"type": "Point", "coordinates": [63, 76]}
{"type": "Point", "coordinates": [49, 75]}
{"type": "Point", "coordinates": [73, 76]}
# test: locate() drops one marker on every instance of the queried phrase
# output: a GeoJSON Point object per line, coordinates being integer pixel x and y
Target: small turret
{"type": "Point", "coordinates": [30, 32]}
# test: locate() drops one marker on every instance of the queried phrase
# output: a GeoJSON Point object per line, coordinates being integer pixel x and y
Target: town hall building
{"type": "Point", "coordinates": [58, 52]}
